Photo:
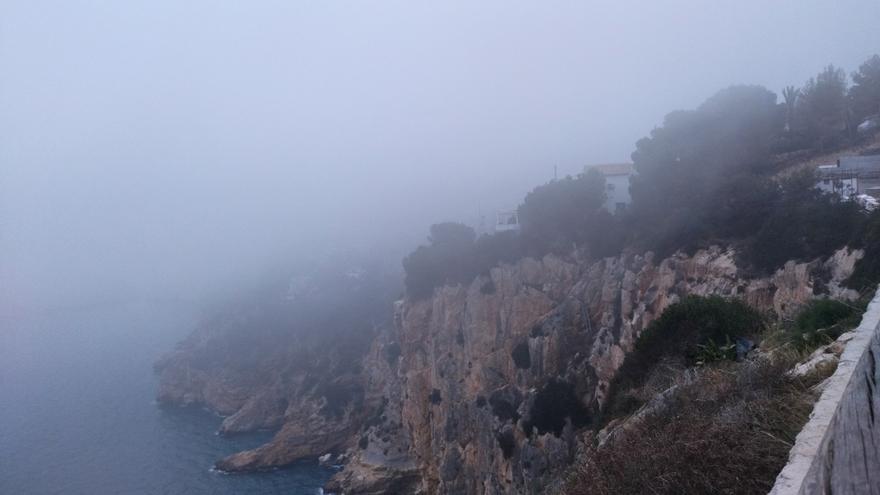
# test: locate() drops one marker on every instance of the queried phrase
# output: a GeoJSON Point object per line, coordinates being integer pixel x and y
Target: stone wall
{"type": "Point", "coordinates": [838, 451]}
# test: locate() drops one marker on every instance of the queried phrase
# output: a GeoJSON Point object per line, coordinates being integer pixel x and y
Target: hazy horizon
{"type": "Point", "coordinates": [171, 148]}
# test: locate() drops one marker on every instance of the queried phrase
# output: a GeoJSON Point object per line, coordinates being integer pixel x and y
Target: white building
{"type": "Point", "coordinates": [851, 176]}
{"type": "Point", "coordinates": [616, 183]}
{"type": "Point", "coordinates": [844, 186]}
{"type": "Point", "coordinates": [507, 220]}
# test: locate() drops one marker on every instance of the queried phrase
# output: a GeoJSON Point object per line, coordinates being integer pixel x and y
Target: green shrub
{"type": "Point", "coordinates": [710, 352]}
{"type": "Point", "coordinates": [820, 322]}
{"type": "Point", "coordinates": [802, 224]}
{"type": "Point", "coordinates": [454, 255]}
{"type": "Point", "coordinates": [687, 167]}
{"type": "Point", "coordinates": [569, 212]}
{"type": "Point", "coordinates": [728, 432]}
{"type": "Point", "coordinates": [682, 333]}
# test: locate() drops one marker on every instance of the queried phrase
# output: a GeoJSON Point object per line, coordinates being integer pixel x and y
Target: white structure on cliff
{"type": "Point", "coordinates": [851, 176]}
{"type": "Point", "coordinates": [617, 177]}
{"type": "Point", "coordinates": [507, 220]}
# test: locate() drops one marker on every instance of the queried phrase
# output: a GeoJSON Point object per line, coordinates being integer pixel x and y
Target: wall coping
{"type": "Point", "coordinates": [801, 474]}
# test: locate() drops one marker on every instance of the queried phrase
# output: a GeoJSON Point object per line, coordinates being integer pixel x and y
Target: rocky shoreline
{"type": "Point", "coordinates": [482, 388]}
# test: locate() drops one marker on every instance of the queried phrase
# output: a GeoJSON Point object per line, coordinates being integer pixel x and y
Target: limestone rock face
{"type": "Point", "coordinates": [496, 376]}
{"type": "Point", "coordinates": [482, 388]}
{"type": "Point", "coordinates": [315, 401]}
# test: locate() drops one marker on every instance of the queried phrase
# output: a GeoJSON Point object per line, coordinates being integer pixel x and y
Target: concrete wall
{"type": "Point", "coordinates": [838, 451]}
{"type": "Point", "coordinates": [616, 191]}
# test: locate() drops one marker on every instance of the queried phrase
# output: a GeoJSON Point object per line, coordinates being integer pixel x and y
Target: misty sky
{"type": "Point", "coordinates": [171, 147]}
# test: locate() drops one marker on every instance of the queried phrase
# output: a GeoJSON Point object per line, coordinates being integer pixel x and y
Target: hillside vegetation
{"type": "Point", "coordinates": [704, 415]}
{"type": "Point", "coordinates": [705, 176]}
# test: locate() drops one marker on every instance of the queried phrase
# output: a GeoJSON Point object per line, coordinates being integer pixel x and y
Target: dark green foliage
{"type": "Point", "coordinates": [490, 250]}
{"type": "Point", "coordinates": [556, 403]}
{"type": "Point", "coordinates": [822, 313]}
{"type": "Point", "coordinates": [685, 165]}
{"type": "Point", "coordinates": [790, 96]}
{"type": "Point", "coordinates": [822, 321]}
{"type": "Point", "coordinates": [802, 224]}
{"type": "Point", "coordinates": [566, 213]}
{"type": "Point", "coordinates": [712, 352]}
{"type": "Point", "coordinates": [678, 334]}
{"type": "Point", "coordinates": [742, 202]}
{"type": "Point", "coordinates": [867, 270]}
{"type": "Point", "coordinates": [446, 259]}
{"type": "Point", "coordinates": [554, 218]}
{"type": "Point", "coordinates": [864, 95]}
{"type": "Point", "coordinates": [823, 106]}
{"type": "Point", "coordinates": [521, 357]}
{"type": "Point", "coordinates": [706, 176]}
{"type": "Point", "coordinates": [455, 256]}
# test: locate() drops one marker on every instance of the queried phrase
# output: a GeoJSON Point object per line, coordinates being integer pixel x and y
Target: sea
{"type": "Point", "coordinates": [78, 413]}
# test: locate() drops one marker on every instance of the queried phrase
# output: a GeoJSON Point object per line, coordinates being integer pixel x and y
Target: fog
{"type": "Point", "coordinates": [176, 148]}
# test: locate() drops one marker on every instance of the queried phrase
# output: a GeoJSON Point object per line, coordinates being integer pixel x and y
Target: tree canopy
{"type": "Point", "coordinates": [705, 176]}
{"type": "Point", "coordinates": [823, 106]}
{"type": "Point", "coordinates": [865, 92]}
{"type": "Point", "coordinates": [565, 213]}
{"type": "Point", "coordinates": [684, 164]}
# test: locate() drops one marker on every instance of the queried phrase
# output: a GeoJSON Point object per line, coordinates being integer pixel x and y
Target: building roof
{"type": "Point", "coordinates": [871, 162]}
{"type": "Point", "coordinates": [608, 169]}
{"type": "Point", "coordinates": [848, 167]}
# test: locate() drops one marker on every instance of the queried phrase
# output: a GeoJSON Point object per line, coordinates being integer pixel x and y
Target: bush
{"type": "Point", "coordinates": [712, 352]}
{"type": "Point", "coordinates": [704, 177]}
{"type": "Point", "coordinates": [455, 256]}
{"type": "Point", "coordinates": [820, 322]}
{"type": "Point", "coordinates": [803, 224]}
{"type": "Point", "coordinates": [566, 213]}
{"type": "Point", "coordinates": [684, 166]}
{"type": "Point", "coordinates": [728, 432]}
{"type": "Point", "coordinates": [681, 334]}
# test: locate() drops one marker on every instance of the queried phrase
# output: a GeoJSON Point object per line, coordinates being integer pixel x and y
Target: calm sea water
{"type": "Point", "coordinates": [77, 412]}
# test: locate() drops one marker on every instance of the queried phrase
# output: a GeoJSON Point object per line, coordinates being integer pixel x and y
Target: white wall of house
{"type": "Point", "coordinates": [843, 187]}
{"type": "Point", "coordinates": [616, 192]}
{"type": "Point", "coordinates": [507, 220]}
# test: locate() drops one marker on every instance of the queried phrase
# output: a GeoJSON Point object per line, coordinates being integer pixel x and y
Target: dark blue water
{"type": "Point", "coordinates": [77, 414]}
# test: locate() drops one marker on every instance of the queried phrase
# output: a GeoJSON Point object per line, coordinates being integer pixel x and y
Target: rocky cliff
{"type": "Point", "coordinates": [480, 388]}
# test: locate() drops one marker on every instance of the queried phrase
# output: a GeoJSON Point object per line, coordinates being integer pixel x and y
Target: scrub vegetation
{"type": "Point", "coordinates": [699, 425]}
{"type": "Point", "coordinates": [728, 431]}
{"type": "Point", "coordinates": [705, 176]}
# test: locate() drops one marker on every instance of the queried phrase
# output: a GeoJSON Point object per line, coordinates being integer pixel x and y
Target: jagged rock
{"type": "Point", "coordinates": [453, 398]}
{"type": "Point", "coordinates": [823, 356]}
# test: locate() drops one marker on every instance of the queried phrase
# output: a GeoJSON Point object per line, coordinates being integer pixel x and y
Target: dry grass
{"type": "Point", "coordinates": [792, 163]}
{"type": "Point", "coordinates": [727, 432]}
